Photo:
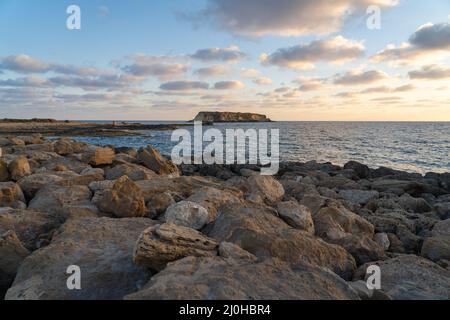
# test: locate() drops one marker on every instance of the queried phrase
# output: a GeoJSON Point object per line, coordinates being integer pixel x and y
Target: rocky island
{"type": "Point", "coordinates": [230, 117]}
{"type": "Point", "coordinates": [140, 227]}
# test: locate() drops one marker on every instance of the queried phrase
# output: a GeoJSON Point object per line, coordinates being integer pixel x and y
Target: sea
{"type": "Point", "coordinates": [409, 146]}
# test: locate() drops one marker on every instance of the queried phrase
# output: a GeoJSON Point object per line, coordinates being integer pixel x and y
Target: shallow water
{"type": "Point", "coordinates": [416, 147]}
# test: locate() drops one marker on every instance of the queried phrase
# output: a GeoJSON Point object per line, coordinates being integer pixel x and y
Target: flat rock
{"type": "Point", "coordinates": [96, 156]}
{"type": "Point", "coordinates": [30, 185]}
{"type": "Point", "coordinates": [101, 247]}
{"type": "Point", "coordinates": [409, 277]}
{"type": "Point", "coordinates": [214, 278]}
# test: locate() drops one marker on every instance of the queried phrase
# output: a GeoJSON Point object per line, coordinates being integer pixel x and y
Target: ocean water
{"type": "Point", "coordinates": [410, 146]}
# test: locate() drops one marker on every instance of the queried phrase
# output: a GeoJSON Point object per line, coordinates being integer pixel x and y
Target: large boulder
{"type": "Point", "coordinates": [361, 170]}
{"type": "Point", "coordinates": [409, 277]}
{"type": "Point", "coordinates": [33, 228]}
{"type": "Point", "coordinates": [133, 171]}
{"type": "Point", "coordinates": [418, 205]}
{"type": "Point", "coordinates": [101, 247]}
{"type": "Point", "coordinates": [340, 226]}
{"type": "Point", "coordinates": [265, 187]}
{"type": "Point", "coordinates": [12, 253]}
{"type": "Point", "coordinates": [258, 230]}
{"type": "Point", "coordinates": [153, 160]}
{"type": "Point", "coordinates": [11, 195]}
{"type": "Point", "coordinates": [214, 278]}
{"type": "Point", "coordinates": [59, 199]}
{"type": "Point", "coordinates": [437, 247]}
{"type": "Point", "coordinates": [296, 215]}
{"type": "Point", "coordinates": [161, 244]}
{"type": "Point", "coordinates": [187, 214]}
{"type": "Point", "coordinates": [30, 185]}
{"type": "Point", "coordinates": [159, 203]}
{"type": "Point", "coordinates": [19, 168]}
{"type": "Point", "coordinates": [97, 156]}
{"type": "Point", "coordinates": [125, 199]}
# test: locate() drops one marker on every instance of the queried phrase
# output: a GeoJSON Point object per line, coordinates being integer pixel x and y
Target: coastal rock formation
{"type": "Point", "coordinates": [233, 233]}
{"type": "Point", "coordinates": [230, 117]}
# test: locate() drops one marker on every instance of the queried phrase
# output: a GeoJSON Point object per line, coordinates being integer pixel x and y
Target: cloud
{"type": "Point", "coordinates": [229, 85]}
{"type": "Point", "coordinates": [282, 17]}
{"type": "Point", "coordinates": [335, 50]}
{"type": "Point", "coordinates": [231, 54]}
{"type": "Point", "coordinates": [184, 85]}
{"type": "Point", "coordinates": [263, 81]}
{"type": "Point", "coordinates": [431, 72]}
{"type": "Point", "coordinates": [428, 43]}
{"type": "Point", "coordinates": [359, 78]}
{"type": "Point", "coordinates": [309, 83]}
{"type": "Point", "coordinates": [30, 81]}
{"type": "Point", "coordinates": [212, 71]}
{"type": "Point", "coordinates": [161, 67]}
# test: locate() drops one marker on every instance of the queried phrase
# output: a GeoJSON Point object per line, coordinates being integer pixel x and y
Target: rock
{"type": "Point", "coordinates": [30, 185]}
{"type": "Point", "coordinates": [359, 196]}
{"type": "Point", "coordinates": [397, 186]}
{"type": "Point", "coordinates": [19, 168]}
{"type": "Point", "coordinates": [256, 229]}
{"type": "Point", "coordinates": [212, 199]}
{"type": "Point", "coordinates": [361, 170]}
{"type": "Point", "coordinates": [31, 227]}
{"type": "Point", "coordinates": [161, 244]}
{"type": "Point", "coordinates": [58, 199]}
{"type": "Point", "coordinates": [10, 195]}
{"type": "Point", "coordinates": [159, 203]}
{"type": "Point", "coordinates": [12, 253]}
{"type": "Point", "coordinates": [125, 199]}
{"type": "Point", "coordinates": [133, 171]}
{"type": "Point", "coordinates": [247, 172]}
{"type": "Point", "coordinates": [443, 210]}
{"type": "Point", "coordinates": [187, 214]}
{"type": "Point", "coordinates": [101, 185]}
{"type": "Point", "coordinates": [4, 173]}
{"type": "Point", "coordinates": [71, 162]}
{"type": "Point", "coordinates": [383, 240]}
{"type": "Point", "coordinates": [153, 160]}
{"type": "Point", "coordinates": [297, 216]}
{"type": "Point", "coordinates": [441, 228]}
{"type": "Point", "coordinates": [414, 204]}
{"type": "Point", "coordinates": [267, 187]}
{"type": "Point", "coordinates": [437, 247]}
{"type": "Point", "coordinates": [361, 288]}
{"type": "Point", "coordinates": [229, 250]}
{"type": "Point", "coordinates": [97, 156]}
{"type": "Point", "coordinates": [101, 247]}
{"type": "Point", "coordinates": [63, 147]}
{"type": "Point", "coordinates": [209, 116]}
{"type": "Point", "coordinates": [93, 172]}
{"type": "Point", "coordinates": [408, 277]}
{"type": "Point", "coordinates": [315, 202]}
{"type": "Point", "coordinates": [126, 150]}
{"type": "Point", "coordinates": [214, 278]}
{"type": "Point", "coordinates": [339, 225]}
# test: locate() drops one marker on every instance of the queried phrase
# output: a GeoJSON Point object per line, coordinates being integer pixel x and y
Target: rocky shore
{"type": "Point", "coordinates": [212, 117]}
{"type": "Point", "coordinates": [140, 227]}
{"type": "Point", "coordinates": [50, 127]}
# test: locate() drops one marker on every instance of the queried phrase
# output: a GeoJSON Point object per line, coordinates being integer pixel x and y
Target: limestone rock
{"type": "Point", "coordinates": [267, 187]}
{"type": "Point", "coordinates": [30, 185]}
{"type": "Point", "coordinates": [133, 171]}
{"type": "Point", "coordinates": [19, 168]}
{"type": "Point", "coordinates": [101, 247]}
{"type": "Point", "coordinates": [159, 203]}
{"type": "Point", "coordinates": [97, 156]}
{"type": "Point", "coordinates": [4, 173]}
{"type": "Point", "coordinates": [361, 197]}
{"type": "Point", "coordinates": [256, 229]}
{"type": "Point", "coordinates": [214, 278]}
{"type": "Point", "coordinates": [153, 160]}
{"type": "Point", "coordinates": [187, 214]}
{"type": "Point", "coordinates": [11, 195]}
{"type": "Point", "coordinates": [297, 216]}
{"type": "Point", "coordinates": [409, 277]}
{"type": "Point", "coordinates": [229, 250]}
{"type": "Point", "coordinates": [361, 170]}
{"type": "Point", "coordinates": [125, 199]}
{"type": "Point", "coordinates": [161, 244]}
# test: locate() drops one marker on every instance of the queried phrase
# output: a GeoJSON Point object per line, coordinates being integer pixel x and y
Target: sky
{"type": "Point", "coordinates": [311, 60]}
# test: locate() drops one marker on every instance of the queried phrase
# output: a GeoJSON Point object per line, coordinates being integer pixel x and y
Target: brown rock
{"type": "Point", "coordinates": [4, 173]}
{"type": "Point", "coordinates": [30, 185]}
{"type": "Point", "coordinates": [19, 168]}
{"type": "Point", "coordinates": [133, 171]}
{"type": "Point", "coordinates": [297, 216]}
{"type": "Point", "coordinates": [256, 229]}
{"type": "Point", "coordinates": [159, 203]}
{"type": "Point", "coordinates": [97, 156]}
{"type": "Point", "coordinates": [11, 195]}
{"type": "Point", "coordinates": [153, 160]}
{"type": "Point", "coordinates": [267, 187]}
{"type": "Point", "coordinates": [214, 278]}
{"type": "Point", "coordinates": [125, 199]}
{"type": "Point", "coordinates": [165, 243]}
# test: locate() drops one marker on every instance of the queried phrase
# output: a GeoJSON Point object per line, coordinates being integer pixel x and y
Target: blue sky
{"type": "Point", "coordinates": [168, 33]}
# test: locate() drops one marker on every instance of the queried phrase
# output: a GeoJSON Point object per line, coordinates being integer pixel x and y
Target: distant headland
{"type": "Point", "coordinates": [230, 117]}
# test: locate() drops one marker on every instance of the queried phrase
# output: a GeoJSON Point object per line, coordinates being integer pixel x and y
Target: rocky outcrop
{"type": "Point", "coordinates": [101, 247]}
{"type": "Point", "coordinates": [213, 278]}
{"type": "Point", "coordinates": [230, 117]}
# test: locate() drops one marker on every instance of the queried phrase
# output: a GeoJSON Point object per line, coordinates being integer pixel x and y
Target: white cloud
{"type": "Point", "coordinates": [431, 72]}
{"type": "Point", "coordinates": [231, 54]}
{"type": "Point", "coordinates": [359, 77]}
{"type": "Point", "coordinates": [263, 81]}
{"type": "Point", "coordinates": [229, 85]}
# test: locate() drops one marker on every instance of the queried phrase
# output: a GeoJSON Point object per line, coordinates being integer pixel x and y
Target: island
{"type": "Point", "coordinates": [230, 117]}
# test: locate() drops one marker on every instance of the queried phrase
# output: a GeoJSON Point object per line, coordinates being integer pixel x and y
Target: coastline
{"type": "Point", "coordinates": [208, 227]}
